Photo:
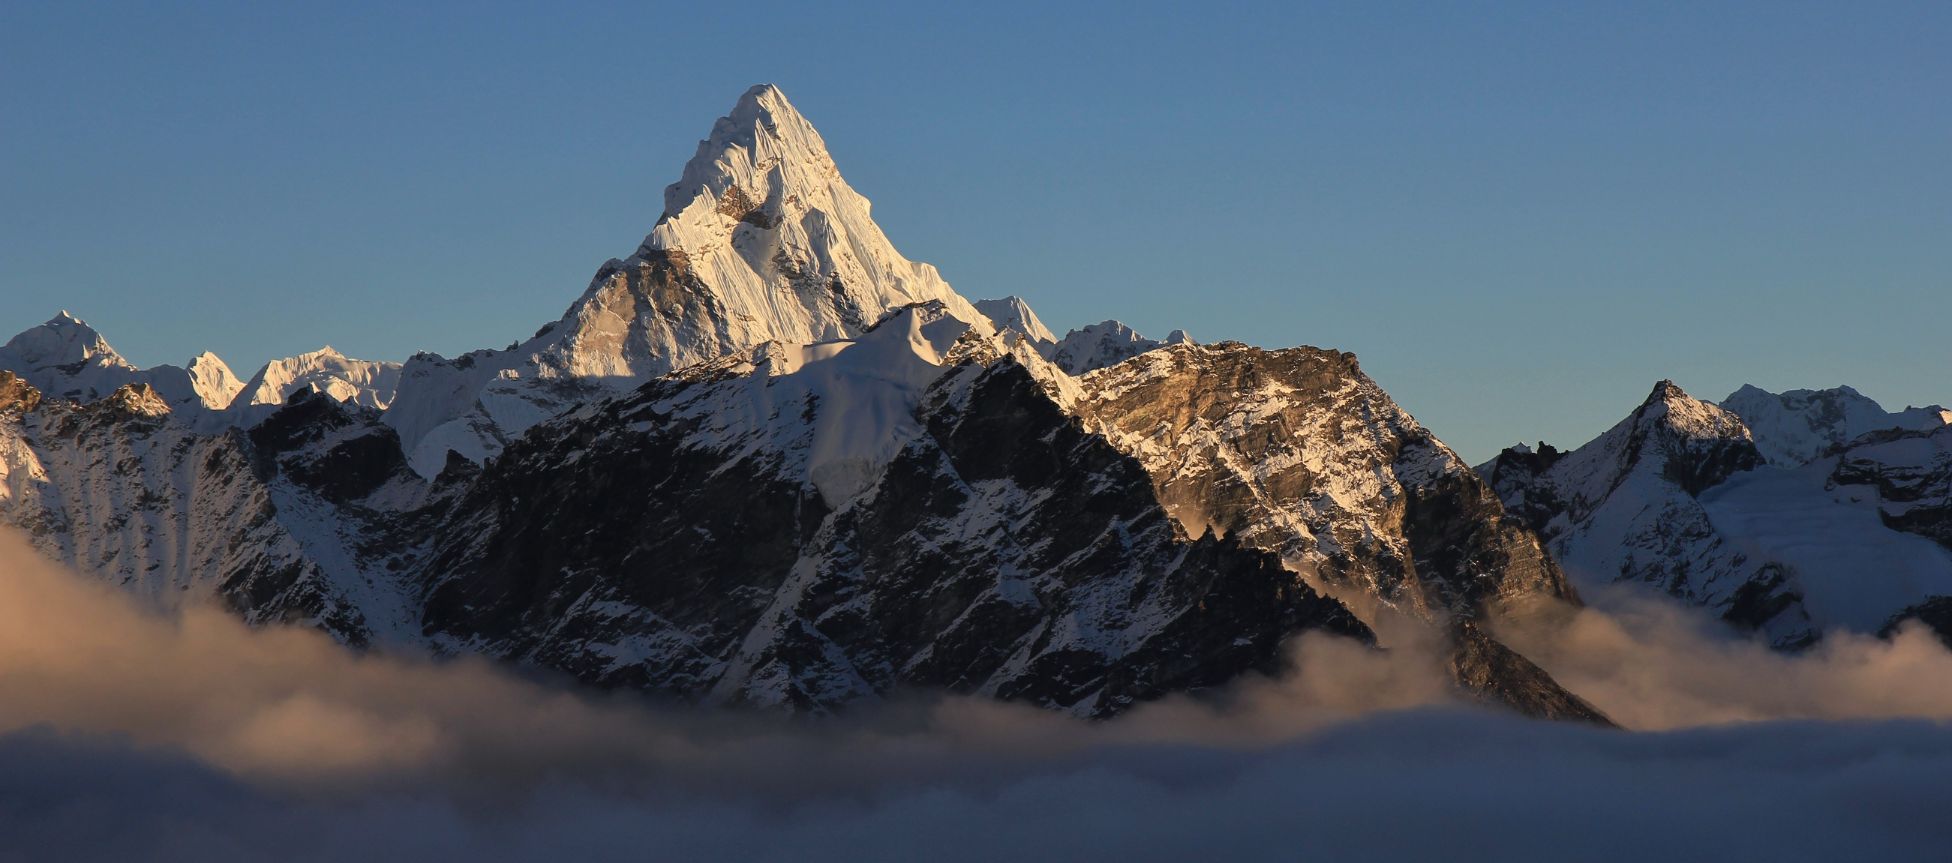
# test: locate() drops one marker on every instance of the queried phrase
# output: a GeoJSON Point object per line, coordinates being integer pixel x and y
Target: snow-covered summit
{"type": "Point", "coordinates": [1012, 314]}
{"type": "Point", "coordinates": [66, 358]}
{"type": "Point", "coordinates": [1671, 436]}
{"type": "Point", "coordinates": [1795, 427]}
{"type": "Point", "coordinates": [761, 240]}
{"type": "Point", "coordinates": [206, 382]}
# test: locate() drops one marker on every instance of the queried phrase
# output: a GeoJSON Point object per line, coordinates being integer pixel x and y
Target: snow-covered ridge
{"type": "Point", "coordinates": [1104, 344]}
{"type": "Point", "coordinates": [67, 359]}
{"type": "Point", "coordinates": [206, 383]}
{"type": "Point", "coordinates": [366, 383]}
{"type": "Point", "coordinates": [1796, 427]}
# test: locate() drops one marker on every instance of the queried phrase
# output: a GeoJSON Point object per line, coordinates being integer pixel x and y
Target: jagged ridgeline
{"type": "Point", "coordinates": [766, 460]}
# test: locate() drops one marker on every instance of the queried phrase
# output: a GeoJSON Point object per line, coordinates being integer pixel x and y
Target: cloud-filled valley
{"type": "Point", "coordinates": [192, 736]}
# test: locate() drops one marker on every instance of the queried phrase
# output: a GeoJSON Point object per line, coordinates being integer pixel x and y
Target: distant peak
{"type": "Point", "coordinates": [1012, 313]}
{"type": "Point", "coordinates": [1666, 390]}
{"type": "Point", "coordinates": [762, 97]}
{"type": "Point", "coordinates": [62, 340]}
{"type": "Point", "coordinates": [66, 322]}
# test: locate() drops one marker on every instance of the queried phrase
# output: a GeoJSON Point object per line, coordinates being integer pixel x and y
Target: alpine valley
{"type": "Point", "coordinates": [766, 460]}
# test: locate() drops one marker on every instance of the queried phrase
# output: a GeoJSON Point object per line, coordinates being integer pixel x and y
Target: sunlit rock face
{"type": "Point", "coordinates": [1299, 453]}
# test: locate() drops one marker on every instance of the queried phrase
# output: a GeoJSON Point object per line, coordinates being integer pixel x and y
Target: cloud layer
{"type": "Point", "coordinates": [130, 735]}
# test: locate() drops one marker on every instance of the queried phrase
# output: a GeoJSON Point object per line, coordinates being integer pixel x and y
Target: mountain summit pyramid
{"type": "Point", "coordinates": [761, 240]}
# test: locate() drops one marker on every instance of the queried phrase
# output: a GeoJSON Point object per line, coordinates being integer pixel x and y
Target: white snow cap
{"type": "Point", "coordinates": [761, 240]}
{"type": "Point", "coordinates": [66, 358]}
{"type": "Point", "coordinates": [64, 339]}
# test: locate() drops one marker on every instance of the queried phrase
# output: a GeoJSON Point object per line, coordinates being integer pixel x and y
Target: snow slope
{"type": "Point", "coordinates": [1855, 572]}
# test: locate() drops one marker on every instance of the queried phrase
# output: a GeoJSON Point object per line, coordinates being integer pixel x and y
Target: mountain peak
{"type": "Point", "coordinates": [761, 99]}
{"type": "Point", "coordinates": [1666, 390]}
{"type": "Point", "coordinates": [762, 135]}
{"type": "Point", "coordinates": [1671, 407]}
{"type": "Point", "coordinates": [760, 240]}
{"type": "Point", "coordinates": [63, 339]}
{"type": "Point", "coordinates": [1012, 313]}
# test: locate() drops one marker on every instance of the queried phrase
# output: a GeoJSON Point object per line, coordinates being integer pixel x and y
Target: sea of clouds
{"type": "Point", "coordinates": [127, 734]}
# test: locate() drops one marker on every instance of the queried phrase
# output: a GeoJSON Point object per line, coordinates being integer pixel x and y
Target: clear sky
{"type": "Point", "coordinates": [1519, 216]}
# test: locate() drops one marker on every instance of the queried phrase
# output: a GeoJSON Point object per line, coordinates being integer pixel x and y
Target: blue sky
{"type": "Point", "coordinates": [1519, 216]}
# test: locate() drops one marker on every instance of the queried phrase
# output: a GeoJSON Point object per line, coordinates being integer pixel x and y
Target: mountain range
{"type": "Point", "coordinates": [766, 460]}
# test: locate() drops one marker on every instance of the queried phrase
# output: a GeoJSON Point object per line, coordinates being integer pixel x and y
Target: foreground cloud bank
{"type": "Point", "coordinates": [129, 735]}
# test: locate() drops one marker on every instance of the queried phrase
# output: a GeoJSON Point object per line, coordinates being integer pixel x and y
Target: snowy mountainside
{"type": "Point", "coordinates": [1910, 474]}
{"type": "Point", "coordinates": [1625, 508]}
{"type": "Point", "coordinates": [1679, 497]}
{"type": "Point", "coordinates": [1797, 426]}
{"type": "Point", "coordinates": [122, 489]}
{"type": "Point", "coordinates": [704, 538]}
{"type": "Point", "coordinates": [68, 360]}
{"type": "Point", "coordinates": [65, 358]}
